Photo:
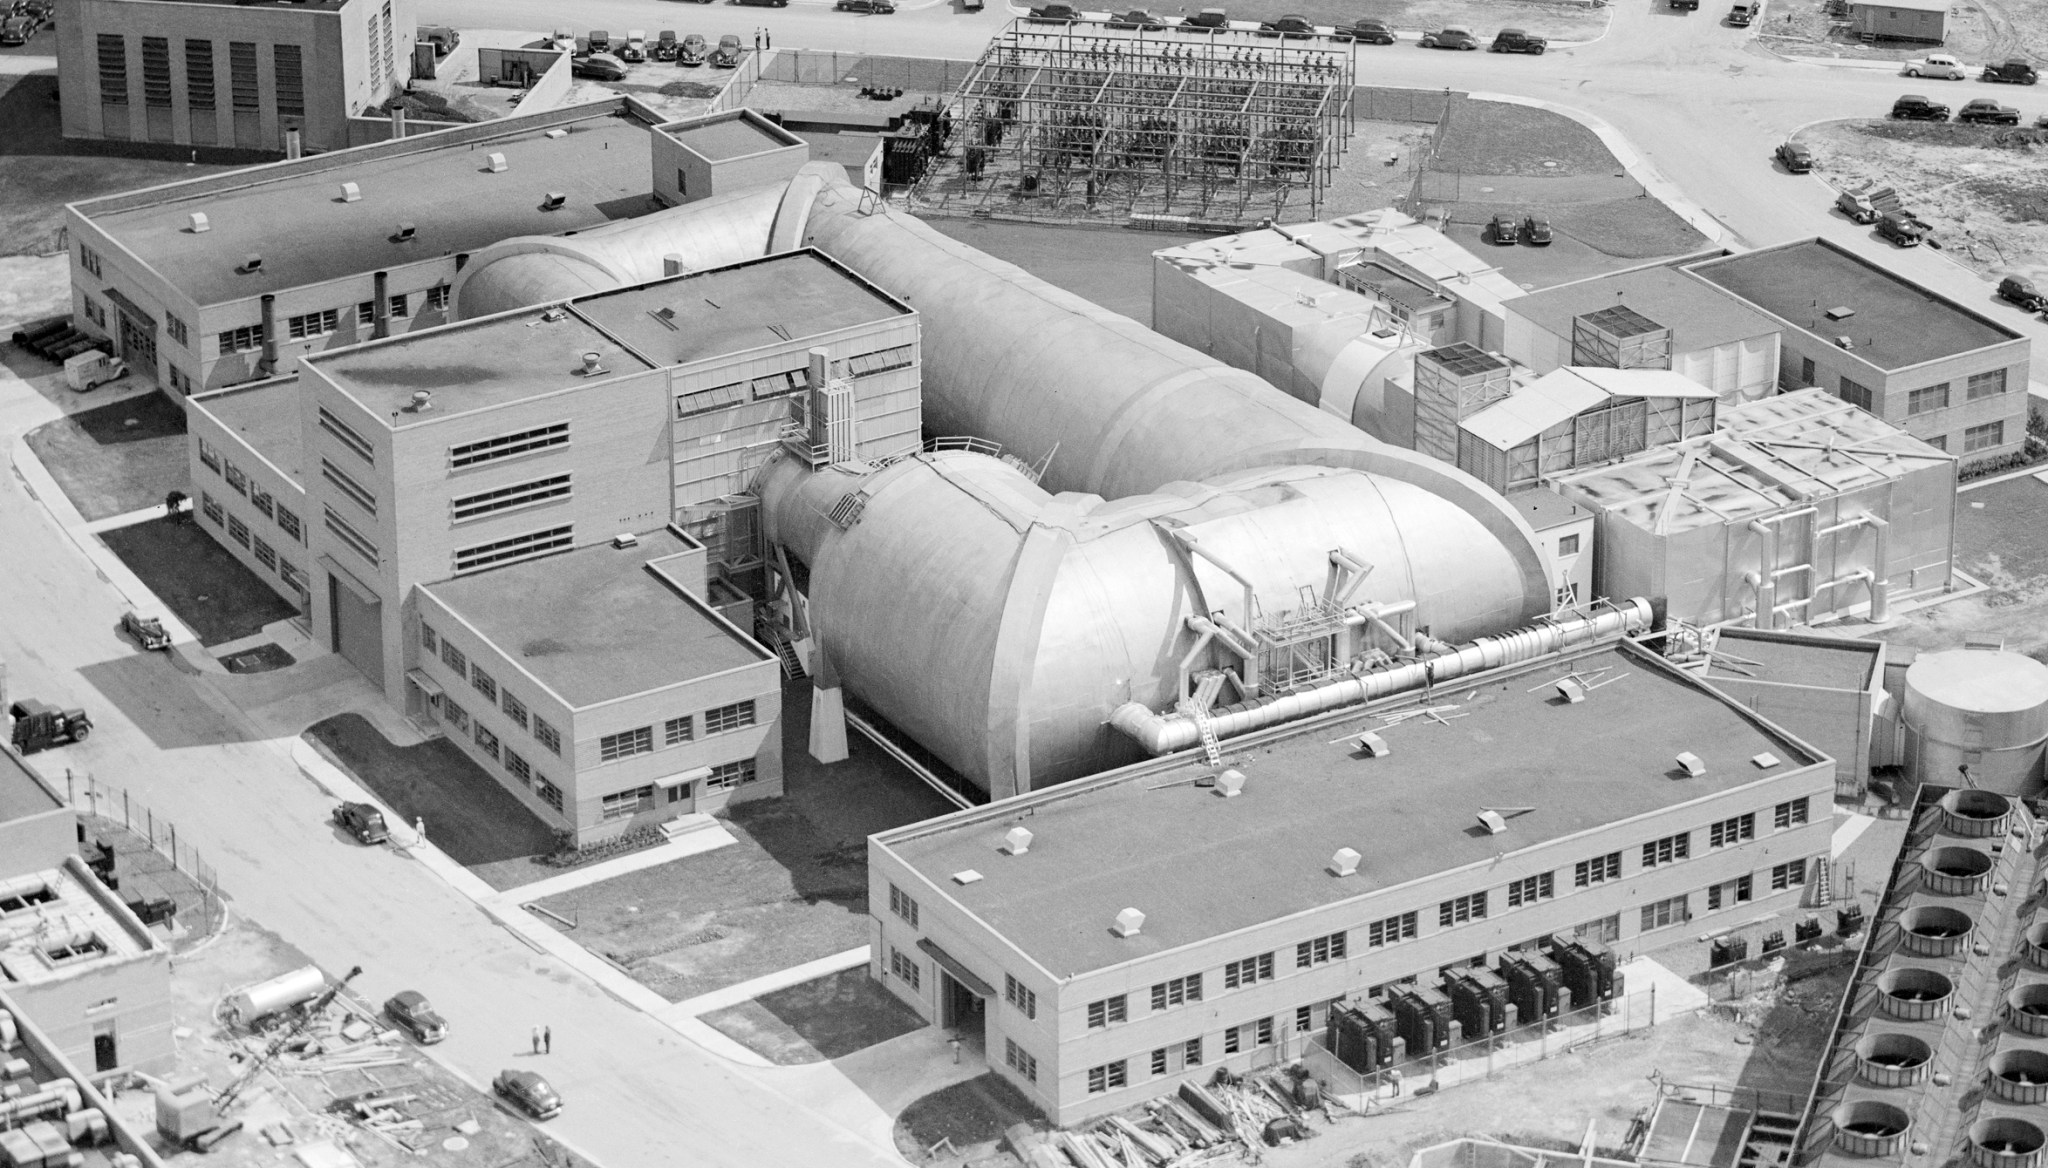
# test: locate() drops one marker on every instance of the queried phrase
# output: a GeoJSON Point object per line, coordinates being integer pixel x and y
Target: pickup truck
{"type": "Point", "coordinates": [1745, 13]}
{"type": "Point", "coordinates": [1514, 40]}
{"type": "Point", "coordinates": [1940, 66]}
{"type": "Point", "coordinates": [2012, 72]}
{"type": "Point", "coordinates": [1902, 228]}
{"type": "Point", "coordinates": [1449, 37]}
{"type": "Point", "coordinates": [1913, 107]}
{"type": "Point", "coordinates": [1984, 109]}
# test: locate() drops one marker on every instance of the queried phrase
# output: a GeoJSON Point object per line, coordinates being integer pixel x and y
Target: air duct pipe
{"type": "Point", "coordinates": [267, 367]}
{"type": "Point", "coordinates": [1165, 733]}
{"type": "Point", "coordinates": [380, 305]}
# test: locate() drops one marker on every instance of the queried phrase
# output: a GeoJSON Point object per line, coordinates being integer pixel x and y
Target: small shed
{"type": "Point", "coordinates": [1900, 20]}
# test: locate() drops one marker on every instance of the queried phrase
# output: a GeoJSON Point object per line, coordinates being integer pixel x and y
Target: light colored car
{"type": "Point", "coordinates": [1940, 66]}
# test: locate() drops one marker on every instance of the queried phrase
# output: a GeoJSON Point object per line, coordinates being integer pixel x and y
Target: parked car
{"type": "Point", "coordinates": [148, 631]}
{"type": "Point", "coordinates": [1902, 228]}
{"type": "Point", "coordinates": [1054, 14]}
{"type": "Point", "coordinates": [866, 7]}
{"type": "Point", "coordinates": [1504, 229]}
{"type": "Point", "coordinates": [759, 3]}
{"type": "Point", "coordinates": [1139, 20]}
{"type": "Point", "coordinates": [1371, 32]}
{"type": "Point", "coordinates": [417, 1017]}
{"type": "Point", "coordinates": [1207, 20]}
{"type": "Point", "coordinates": [2013, 72]}
{"type": "Point", "coordinates": [1797, 159]}
{"type": "Point", "coordinates": [665, 45]}
{"type": "Point", "coordinates": [1937, 65]}
{"type": "Point", "coordinates": [1536, 229]}
{"type": "Point", "coordinates": [1745, 13]}
{"type": "Point", "coordinates": [529, 1092]}
{"type": "Point", "coordinates": [1290, 26]}
{"type": "Point", "coordinates": [1514, 40]}
{"type": "Point", "coordinates": [635, 48]}
{"type": "Point", "coordinates": [1685, 5]}
{"type": "Point", "coordinates": [728, 53]}
{"type": "Point", "coordinates": [599, 67]}
{"type": "Point", "coordinates": [693, 50]}
{"type": "Point", "coordinates": [1988, 112]}
{"type": "Point", "coordinates": [2021, 291]}
{"type": "Point", "coordinates": [444, 39]}
{"type": "Point", "coordinates": [362, 821]}
{"type": "Point", "coordinates": [16, 30]}
{"type": "Point", "coordinates": [1913, 107]}
{"type": "Point", "coordinates": [600, 41]}
{"type": "Point", "coordinates": [1856, 206]}
{"type": "Point", "coordinates": [1449, 37]}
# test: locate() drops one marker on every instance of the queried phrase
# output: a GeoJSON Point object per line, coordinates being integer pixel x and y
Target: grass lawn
{"type": "Point", "coordinates": [109, 467]}
{"type": "Point", "coordinates": [1487, 137]}
{"type": "Point", "coordinates": [970, 1114]}
{"type": "Point", "coordinates": [824, 1019]}
{"type": "Point", "coordinates": [1630, 228]}
{"type": "Point", "coordinates": [478, 823]}
{"type": "Point", "coordinates": [197, 579]}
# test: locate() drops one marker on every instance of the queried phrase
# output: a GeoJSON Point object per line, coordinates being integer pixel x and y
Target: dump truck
{"type": "Point", "coordinates": [39, 725]}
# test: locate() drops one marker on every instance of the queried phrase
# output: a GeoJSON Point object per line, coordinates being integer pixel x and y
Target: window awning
{"type": "Point", "coordinates": [128, 307]}
{"type": "Point", "coordinates": [960, 972]}
{"type": "Point", "coordinates": [427, 685]}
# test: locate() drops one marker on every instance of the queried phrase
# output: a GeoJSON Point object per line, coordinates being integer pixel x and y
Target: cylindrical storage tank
{"type": "Point", "coordinates": [281, 992]}
{"type": "Point", "coordinates": [1955, 871]}
{"type": "Point", "coordinates": [2005, 1142]}
{"type": "Point", "coordinates": [1914, 994]}
{"type": "Point", "coordinates": [1893, 1060]}
{"type": "Point", "coordinates": [2027, 1006]}
{"type": "Point", "coordinates": [2020, 1075]}
{"type": "Point", "coordinates": [1935, 931]}
{"type": "Point", "coordinates": [1866, 1127]}
{"type": "Point", "coordinates": [2036, 944]}
{"type": "Point", "coordinates": [1988, 710]}
{"type": "Point", "coordinates": [1975, 813]}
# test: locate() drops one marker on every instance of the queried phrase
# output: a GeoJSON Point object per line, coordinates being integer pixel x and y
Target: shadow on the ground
{"type": "Point", "coordinates": [209, 589]}
{"type": "Point", "coordinates": [827, 1018]}
{"type": "Point", "coordinates": [151, 692]}
{"type": "Point", "coordinates": [970, 1113]}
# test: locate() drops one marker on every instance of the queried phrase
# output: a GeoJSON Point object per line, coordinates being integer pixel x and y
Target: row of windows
{"type": "Point", "coordinates": [265, 554]}
{"type": "Point", "coordinates": [908, 969]}
{"type": "Point", "coordinates": [782, 384]}
{"type": "Point", "coordinates": [347, 534]}
{"type": "Point", "coordinates": [286, 519]}
{"type": "Point", "coordinates": [640, 740]}
{"type": "Point", "coordinates": [288, 63]}
{"type": "Point", "coordinates": [506, 498]}
{"type": "Point", "coordinates": [515, 764]}
{"type": "Point", "coordinates": [356, 492]}
{"type": "Point", "coordinates": [902, 905]}
{"type": "Point", "coordinates": [508, 445]}
{"type": "Point", "coordinates": [514, 549]}
{"type": "Point", "coordinates": [346, 434]}
{"type": "Point", "coordinates": [509, 704]}
{"type": "Point", "coordinates": [1021, 996]}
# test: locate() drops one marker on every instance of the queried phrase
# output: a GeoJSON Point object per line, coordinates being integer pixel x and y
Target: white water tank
{"type": "Point", "coordinates": [279, 993]}
{"type": "Point", "coordinates": [1984, 709]}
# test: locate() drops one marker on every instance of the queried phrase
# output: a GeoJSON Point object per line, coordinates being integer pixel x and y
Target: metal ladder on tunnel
{"type": "Point", "coordinates": [1208, 684]}
{"type": "Point", "coordinates": [1823, 882]}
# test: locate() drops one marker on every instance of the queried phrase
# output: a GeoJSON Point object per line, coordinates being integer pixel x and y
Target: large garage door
{"type": "Point", "coordinates": [356, 628]}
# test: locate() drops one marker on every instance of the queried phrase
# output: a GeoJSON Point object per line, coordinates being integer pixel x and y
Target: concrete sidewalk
{"type": "Point", "coordinates": [702, 835]}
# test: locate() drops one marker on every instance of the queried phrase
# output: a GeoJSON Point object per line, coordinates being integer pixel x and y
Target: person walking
{"type": "Point", "coordinates": [547, 1040]}
{"type": "Point", "coordinates": [536, 1040]}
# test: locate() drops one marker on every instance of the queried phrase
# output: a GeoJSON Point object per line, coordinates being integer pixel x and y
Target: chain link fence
{"type": "Point", "coordinates": [830, 67]}
{"type": "Point", "coordinates": [150, 863]}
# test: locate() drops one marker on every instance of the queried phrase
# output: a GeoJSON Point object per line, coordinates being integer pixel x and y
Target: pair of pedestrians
{"type": "Point", "coordinates": [543, 1040]}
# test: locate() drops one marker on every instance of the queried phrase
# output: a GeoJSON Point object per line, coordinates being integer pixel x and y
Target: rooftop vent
{"type": "Point", "coordinates": [593, 365]}
{"type": "Point", "coordinates": [967, 876]}
{"type": "Point", "coordinates": [554, 314]}
{"type": "Point", "coordinates": [1840, 312]}
{"type": "Point", "coordinates": [1345, 862]}
{"type": "Point", "coordinates": [1571, 690]}
{"type": "Point", "coordinates": [1845, 342]}
{"type": "Point", "coordinates": [556, 133]}
{"type": "Point", "coordinates": [252, 262]}
{"type": "Point", "coordinates": [406, 230]}
{"type": "Point", "coordinates": [422, 401]}
{"type": "Point", "coordinates": [351, 193]}
{"type": "Point", "coordinates": [197, 223]}
{"type": "Point", "coordinates": [1373, 746]}
{"type": "Point", "coordinates": [1128, 922]}
{"type": "Point", "coordinates": [1765, 761]}
{"type": "Point", "coordinates": [495, 162]}
{"type": "Point", "coordinates": [1493, 821]}
{"type": "Point", "coordinates": [1017, 840]}
{"type": "Point", "coordinates": [1230, 784]}
{"type": "Point", "coordinates": [625, 539]}
{"type": "Point", "coordinates": [553, 201]}
{"type": "Point", "coordinates": [1691, 764]}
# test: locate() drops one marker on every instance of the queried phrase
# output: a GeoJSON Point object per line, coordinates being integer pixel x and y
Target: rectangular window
{"type": "Point", "coordinates": [1856, 394]}
{"type": "Point", "coordinates": [1734, 892]}
{"type": "Point", "coordinates": [290, 574]}
{"type": "Point", "coordinates": [677, 730]}
{"type": "Point", "coordinates": [156, 72]}
{"type": "Point", "coordinates": [89, 259]}
{"type": "Point", "coordinates": [264, 553]}
{"type": "Point", "coordinates": [260, 499]}
{"type": "Point", "coordinates": [1922, 401]}
{"type": "Point", "coordinates": [238, 530]}
{"type": "Point", "coordinates": [347, 436]}
{"type": "Point", "coordinates": [1233, 1041]}
{"type": "Point", "coordinates": [1788, 874]}
{"type": "Point", "coordinates": [237, 481]}
{"type": "Point", "coordinates": [727, 775]}
{"type": "Point", "coordinates": [517, 495]}
{"type": "Point", "coordinates": [1021, 996]}
{"type": "Point", "coordinates": [1159, 1061]}
{"type": "Point", "coordinates": [732, 717]}
{"type": "Point", "coordinates": [548, 792]}
{"type": "Point", "coordinates": [179, 331]}
{"type": "Point", "coordinates": [530, 546]}
{"type": "Point", "coordinates": [1108, 1011]}
{"type": "Point", "coordinates": [208, 456]}
{"type": "Point", "coordinates": [94, 313]}
{"type": "Point", "coordinates": [246, 339]}
{"type": "Point", "coordinates": [288, 522]}
{"type": "Point", "coordinates": [1531, 889]}
{"type": "Point", "coordinates": [1604, 930]}
{"type": "Point", "coordinates": [210, 507]}
{"type": "Point", "coordinates": [366, 310]}
{"type": "Point", "coordinates": [291, 80]}
{"type": "Point", "coordinates": [1248, 970]}
{"type": "Point", "coordinates": [486, 741]}
{"type": "Point", "coordinates": [1790, 814]}
{"type": "Point", "coordinates": [1664, 913]}
{"type": "Point", "coordinates": [199, 74]}
{"type": "Point", "coordinates": [1390, 930]}
{"type": "Point", "coordinates": [348, 535]}
{"type": "Point", "coordinates": [903, 906]}
{"type": "Point", "coordinates": [1459, 909]}
{"type": "Point", "coordinates": [1191, 1053]}
{"type": "Point", "coordinates": [1304, 1019]}
{"type": "Point", "coordinates": [1320, 950]}
{"type": "Point", "coordinates": [1987, 384]}
{"type": "Point", "coordinates": [1983, 437]}
{"type": "Point", "coordinates": [356, 492]}
{"type": "Point", "coordinates": [437, 296]}
{"type": "Point", "coordinates": [625, 744]}
{"type": "Point", "coordinates": [1107, 1077]}
{"type": "Point", "coordinates": [508, 445]}
{"type": "Point", "coordinates": [312, 324]}
{"type": "Point", "coordinates": [881, 361]}
{"type": "Point", "coordinates": [1597, 870]}
{"type": "Point", "coordinates": [1668, 849]}
{"type": "Point", "coordinates": [484, 683]}
{"type": "Point", "coordinates": [455, 659]}
{"type": "Point", "coordinates": [518, 767]}
{"type": "Point", "coordinates": [1568, 545]}
{"type": "Point", "coordinates": [705, 401]}
{"type": "Point", "coordinates": [454, 714]}
{"type": "Point", "coordinates": [627, 804]}
{"type": "Point", "coordinates": [242, 75]}
{"type": "Point", "coordinates": [1178, 991]}
{"type": "Point", "coordinates": [905, 968]}
{"type": "Point", "coordinates": [1018, 1060]}
{"type": "Point", "coordinates": [113, 69]}
{"type": "Point", "coordinates": [429, 640]}
{"type": "Point", "coordinates": [515, 710]}
{"type": "Point", "coordinates": [1731, 831]}
{"type": "Point", "coordinates": [547, 736]}
{"type": "Point", "coordinates": [400, 304]}
{"type": "Point", "coordinates": [1262, 1031]}
{"type": "Point", "coordinates": [1939, 442]}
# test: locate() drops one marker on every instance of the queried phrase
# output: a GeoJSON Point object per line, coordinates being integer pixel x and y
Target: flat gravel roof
{"type": "Point", "coordinates": [266, 415]}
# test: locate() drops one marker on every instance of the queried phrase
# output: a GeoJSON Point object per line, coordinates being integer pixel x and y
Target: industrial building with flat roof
{"type": "Point", "coordinates": [1940, 371]}
{"type": "Point", "coordinates": [1648, 810]}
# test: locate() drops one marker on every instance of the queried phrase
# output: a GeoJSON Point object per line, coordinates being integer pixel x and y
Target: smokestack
{"type": "Point", "coordinates": [268, 365]}
{"type": "Point", "coordinates": [380, 310]}
{"type": "Point", "coordinates": [292, 147]}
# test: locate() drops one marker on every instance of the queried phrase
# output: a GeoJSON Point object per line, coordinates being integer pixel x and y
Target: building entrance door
{"type": "Point", "coordinates": [105, 1055]}
{"type": "Point", "coordinates": [960, 1008]}
{"type": "Point", "coordinates": [356, 628]}
{"type": "Point", "coordinates": [138, 345]}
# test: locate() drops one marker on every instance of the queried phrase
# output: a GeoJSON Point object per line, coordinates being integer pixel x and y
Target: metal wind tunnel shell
{"type": "Point", "coordinates": [1000, 625]}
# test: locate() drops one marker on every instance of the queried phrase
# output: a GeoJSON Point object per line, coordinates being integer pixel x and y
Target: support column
{"type": "Point", "coordinates": [828, 709]}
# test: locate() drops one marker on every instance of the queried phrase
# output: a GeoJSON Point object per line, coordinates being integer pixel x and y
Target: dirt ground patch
{"type": "Point", "coordinates": [2000, 540]}
{"type": "Point", "coordinates": [1491, 137]}
{"type": "Point", "coordinates": [828, 1018]}
{"type": "Point", "coordinates": [1982, 187]}
{"type": "Point", "coordinates": [197, 579]}
{"type": "Point", "coordinates": [117, 458]}
{"type": "Point", "coordinates": [473, 819]}
{"type": "Point", "coordinates": [972, 1115]}
{"type": "Point", "coordinates": [1978, 30]}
